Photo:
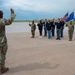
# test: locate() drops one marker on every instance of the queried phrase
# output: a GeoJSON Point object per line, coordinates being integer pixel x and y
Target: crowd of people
{"type": "Point", "coordinates": [49, 28]}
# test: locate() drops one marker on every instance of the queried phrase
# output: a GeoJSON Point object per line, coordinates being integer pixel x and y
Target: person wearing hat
{"type": "Point", "coordinates": [3, 39]}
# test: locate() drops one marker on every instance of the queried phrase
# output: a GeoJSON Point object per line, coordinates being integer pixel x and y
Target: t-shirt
{"type": "Point", "coordinates": [58, 25]}
{"type": "Point", "coordinates": [49, 26]}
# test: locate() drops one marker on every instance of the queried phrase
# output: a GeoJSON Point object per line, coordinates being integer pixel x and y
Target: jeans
{"type": "Point", "coordinates": [49, 34]}
{"type": "Point", "coordinates": [61, 32]}
{"type": "Point", "coordinates": [53, 31]}
{"type": "Point", "coordinates": [45, 31]}
{"type": "Point", "coordinates": [58, 33]}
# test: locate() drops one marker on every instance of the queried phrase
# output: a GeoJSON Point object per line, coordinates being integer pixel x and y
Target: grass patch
{"type": "Point", "coordinates": [34, 21]}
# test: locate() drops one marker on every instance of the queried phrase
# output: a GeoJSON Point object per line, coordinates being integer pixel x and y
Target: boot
{"type": "Point", "coordinates": [69, 39]}
{"type": "Point", "coordinates": [32, 36]}
{"type": "Point", "coordinates": [3, 70]}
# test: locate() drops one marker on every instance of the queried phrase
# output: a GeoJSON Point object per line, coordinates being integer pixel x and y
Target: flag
{"type": "Point", "coordinates": [65, 16]}
{"type": "Point", "coordinates": [74, 19]}
{"type": "Point", "coordinates": [70, 17]}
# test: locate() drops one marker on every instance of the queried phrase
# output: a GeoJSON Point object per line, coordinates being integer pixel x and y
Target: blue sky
{"type": "Point", "coordinates": [37, 9]}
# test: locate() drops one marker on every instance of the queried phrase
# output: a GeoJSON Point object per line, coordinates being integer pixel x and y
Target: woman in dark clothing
{"type": "Point", "coordinates": [40, 28]}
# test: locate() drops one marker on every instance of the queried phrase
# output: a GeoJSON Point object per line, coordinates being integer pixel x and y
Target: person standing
{"type": "Point", "coordinates": [3, 39]}
{"type": "Point", "coordinates": [49, 28]}
{"type": "Point", "coordinates": [40, 28]}
{"type": "Point", "coordinates": [62, 27]}
{"type": "Point", "coordinates": [45, 27]}
{"type": "Point", "coordinates": [70, 31]}
{"type": "Point", "coordinates": [33, 28]}
{"type": "Point", "coordinates": [53, 28]}
{"type": "Point", "coordinates": [58, 29]}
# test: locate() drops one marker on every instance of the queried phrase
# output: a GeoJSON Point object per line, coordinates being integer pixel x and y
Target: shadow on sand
{"type": "Point", "coordinates": [31, 67]}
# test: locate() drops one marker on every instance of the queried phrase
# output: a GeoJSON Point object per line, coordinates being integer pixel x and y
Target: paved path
{"type": "Point", "coordinates": [27, 56]}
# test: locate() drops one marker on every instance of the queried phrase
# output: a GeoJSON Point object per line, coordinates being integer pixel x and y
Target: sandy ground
{"type": "Point", "coordinates": [28, 56]}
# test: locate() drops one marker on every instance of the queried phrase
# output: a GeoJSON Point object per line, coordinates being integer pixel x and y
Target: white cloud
{"type": "Point", "coordinates": [40, 5]}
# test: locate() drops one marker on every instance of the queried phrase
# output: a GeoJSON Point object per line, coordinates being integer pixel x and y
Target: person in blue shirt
{"type": "Point", "coordinates": [58, 29]}
{"type": "Point", "coordinates": [49, 27]}
{"type": "Point", "coordinates": [62, 27]}
{"type": "Point", "coordinates": [40, 28]}
{"type": "Point", "coordinates": [53, 28]}
{"type": "Point", "coordinates": [45, 27]}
